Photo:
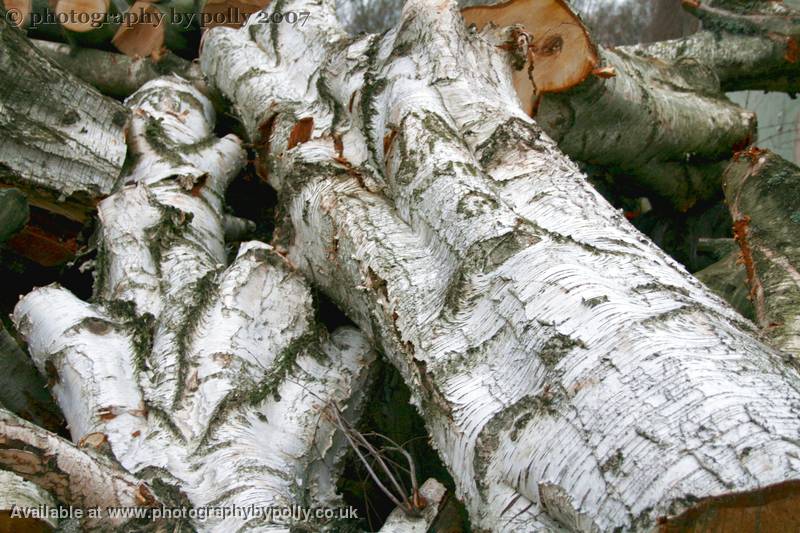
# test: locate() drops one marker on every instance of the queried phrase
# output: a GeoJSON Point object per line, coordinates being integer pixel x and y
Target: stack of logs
{"type": "Point", "coordinates": [331, 126]}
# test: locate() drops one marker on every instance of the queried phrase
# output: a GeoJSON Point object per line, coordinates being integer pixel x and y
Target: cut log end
{"type": "Point", "coordinates": [562, 52]}
{"type": "Point", "coordinates": [19, 12]}
{"type": "Point", "coordinates": [229, 13]}
{"type": "Point", "coordinates": [773, 508]}
{"type": "Point", "coordinates": [81, 16]}
{"type": "Point", "coordinates": [146, 37]}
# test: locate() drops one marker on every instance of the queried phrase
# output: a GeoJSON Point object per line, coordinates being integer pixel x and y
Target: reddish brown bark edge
{"type": "Point", "coordinates": [772, 509]}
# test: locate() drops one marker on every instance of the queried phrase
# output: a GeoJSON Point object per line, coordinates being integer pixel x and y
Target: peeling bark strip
{"type": "Point", "coordinates": [208, 379]}
{"type": "Point", "coordinates": [741, 234]}
{"type": "Point", "coordinates": [61, 142]}
{"type": "Point", "coordinates": [570, 374]}
{"type": "Point", "coordinates": [78, 477]}
{"type": "Point", "coordinates": [762, 191]}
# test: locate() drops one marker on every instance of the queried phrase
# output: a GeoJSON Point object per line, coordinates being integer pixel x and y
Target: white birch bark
{"type": "Point", "coordinates": [571, 375]}
{"type": "Point", "coordinates": [213, 380]}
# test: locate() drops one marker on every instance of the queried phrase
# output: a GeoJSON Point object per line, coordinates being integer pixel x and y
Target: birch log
{"type": "Point", "coordinates": [761, 190]}
{"type": "Point", "coordinates": [18, 495]}
{"type": "Point", "coordinates": [212, 380]}
{"type": "Point", "coordinates": [571, 375]}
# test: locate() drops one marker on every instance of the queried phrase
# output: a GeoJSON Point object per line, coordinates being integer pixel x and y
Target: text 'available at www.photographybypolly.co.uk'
{"type": "Point", "coordinates": [274, 515]}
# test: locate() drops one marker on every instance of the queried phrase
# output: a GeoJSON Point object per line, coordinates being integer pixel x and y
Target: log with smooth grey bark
{"type": "Point", "coordinates": [748, 45]}
{"type": "Point", "coordinates": [675, 132]}
{"type": "Point", "coordinates": [212, 380]}
{"type": "Point", "coordinates": [14, 213]}
{"type": "Point", "coordinates": [22, 389]}
{"type": "Point", "coordinates": [570, 374]}
{"type": "Point", "coordinates": [61, 142]}
{"type": "Point", "coordinates": [116, 74]}
{"type": "Point", "coordinates": [728, 279]}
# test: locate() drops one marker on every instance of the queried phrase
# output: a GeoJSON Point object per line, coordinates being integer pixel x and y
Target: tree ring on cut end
{"type": "Point", "coordinates": [563, 52]}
